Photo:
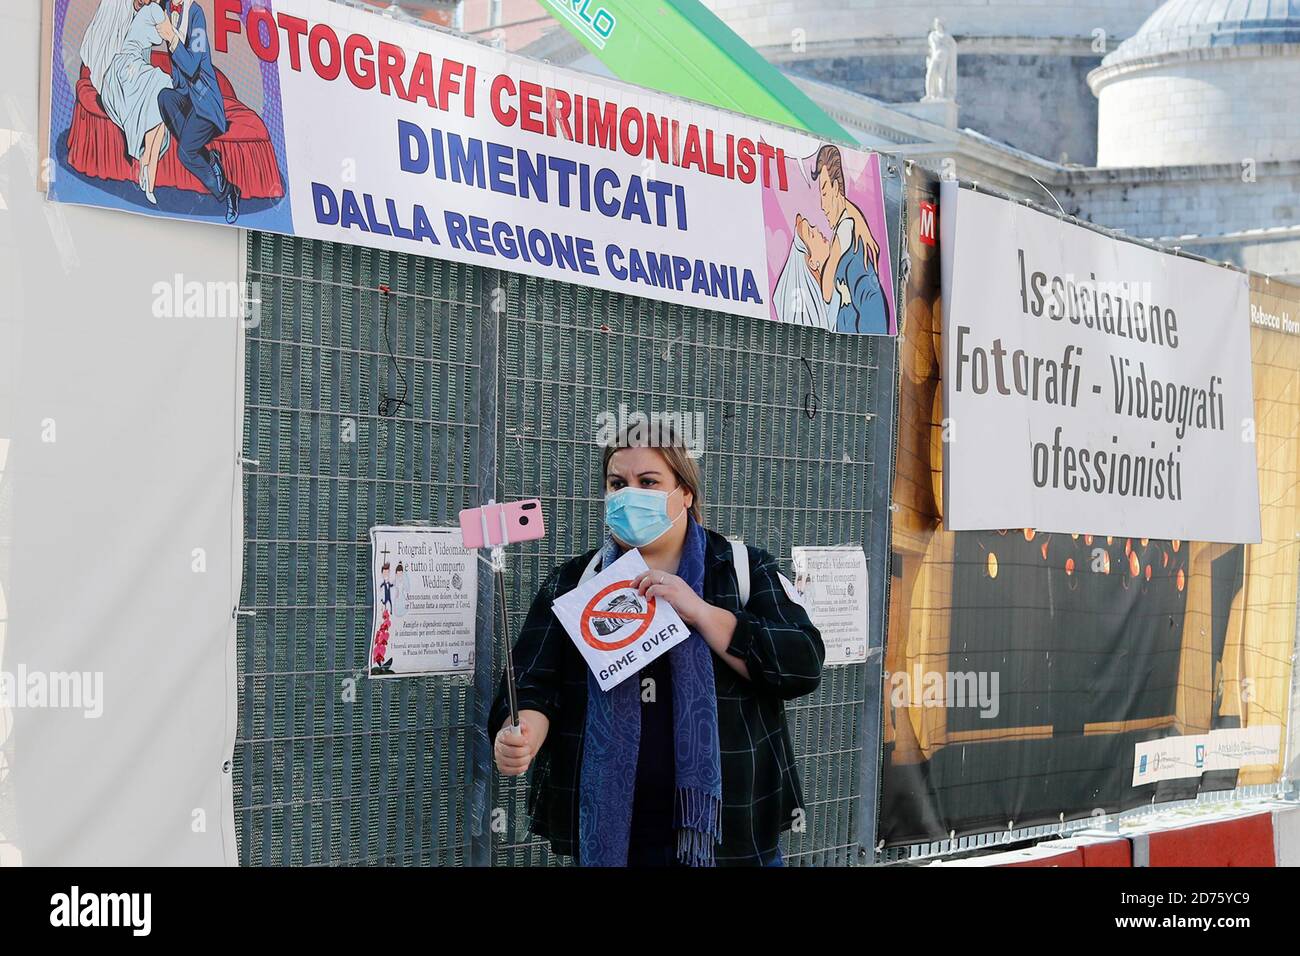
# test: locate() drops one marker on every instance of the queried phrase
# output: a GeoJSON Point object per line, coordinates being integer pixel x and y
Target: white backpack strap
{"type": "Point", "coordinates": [791, 591]}
{"type": "Point", "coordinates": [593, 567]}
{"type": "Point", "coordinates": [740, 560]}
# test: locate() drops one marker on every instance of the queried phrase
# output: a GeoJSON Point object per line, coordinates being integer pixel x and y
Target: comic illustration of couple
{"type": "Point", "coordinates": [833, 282]}
{"type": "Point", "coordinates": [157, 110]}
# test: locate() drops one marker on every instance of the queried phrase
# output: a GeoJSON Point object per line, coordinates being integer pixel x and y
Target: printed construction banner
{"type": "Point", "coordinates": [318, 120]}
{"type": "Point", "coordinates": [1029, 673]}
{"type": "Point", "coordinates": [425, 587]}
{"type": "Point", "coordinates": [1092, 382]}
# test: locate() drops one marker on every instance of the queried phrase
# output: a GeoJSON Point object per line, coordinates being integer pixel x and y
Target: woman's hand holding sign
{"type": "Point", "coordinates": [669, 587]}
{"type": "Point", "coordinates": [716, 625]}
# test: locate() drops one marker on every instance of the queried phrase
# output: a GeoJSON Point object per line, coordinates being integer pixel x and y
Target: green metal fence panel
{"type": "Point", "coordinates": [332, 767]}
{"type": "Point", "coordinates": [503, 378]}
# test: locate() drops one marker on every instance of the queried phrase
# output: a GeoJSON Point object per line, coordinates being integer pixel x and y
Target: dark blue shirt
{"type": "Point", "coordinates": [656, 772]}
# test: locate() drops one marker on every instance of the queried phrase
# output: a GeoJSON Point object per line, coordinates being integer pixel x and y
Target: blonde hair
{"type": "Point", "coordinates": [669, 444]}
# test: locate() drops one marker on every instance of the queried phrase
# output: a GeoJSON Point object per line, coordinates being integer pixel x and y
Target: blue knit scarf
{"type": "Point", "coordinates": [612, 743]}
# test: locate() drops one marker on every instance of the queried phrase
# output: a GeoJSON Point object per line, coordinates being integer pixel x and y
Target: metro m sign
{"type": "Point", "coordinates": [929, 231]}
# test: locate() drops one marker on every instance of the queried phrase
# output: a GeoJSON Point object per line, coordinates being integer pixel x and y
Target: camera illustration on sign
{"type": "Point", "coordinates": [625, 612]}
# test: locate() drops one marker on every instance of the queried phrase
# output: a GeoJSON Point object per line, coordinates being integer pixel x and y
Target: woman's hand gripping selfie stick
{"type": "Point", "coordinates": [497, 525]}
{"type": "Point", "coordinates": [499, 570]}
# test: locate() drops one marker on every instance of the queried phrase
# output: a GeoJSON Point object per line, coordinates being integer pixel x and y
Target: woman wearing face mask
{"type": "Point", "coordinates": [688, 762]}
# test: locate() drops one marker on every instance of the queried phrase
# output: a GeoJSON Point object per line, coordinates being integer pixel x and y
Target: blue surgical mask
{"type": "Point", "coordinates": [638, 516]}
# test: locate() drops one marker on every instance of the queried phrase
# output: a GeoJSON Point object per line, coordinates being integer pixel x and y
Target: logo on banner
{"type": "Point", "coordinates": [616, 617]}
{"type": "Point", "coordinates": [929, 231]}
{"type": "Point", "coordinates": [596, 25]}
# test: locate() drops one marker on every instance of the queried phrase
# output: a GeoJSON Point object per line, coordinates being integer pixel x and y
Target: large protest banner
{"type": "Point", "coordinates": [1028, 673]}
{"type": "Point", "coordinates": [338, 123]}
{"type": "Point", "coordinates": [1091, 382]}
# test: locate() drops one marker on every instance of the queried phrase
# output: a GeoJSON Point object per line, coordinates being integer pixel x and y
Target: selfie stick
{"type": "Point", "coordinates": [498, 569]}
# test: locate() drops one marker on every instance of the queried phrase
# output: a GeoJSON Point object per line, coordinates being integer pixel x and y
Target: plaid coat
{"type": "Point", "coordinates": [760, 783]}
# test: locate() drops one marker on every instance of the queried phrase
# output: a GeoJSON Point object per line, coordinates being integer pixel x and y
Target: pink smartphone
{"type": "Point", "coordinates": [506, 523]}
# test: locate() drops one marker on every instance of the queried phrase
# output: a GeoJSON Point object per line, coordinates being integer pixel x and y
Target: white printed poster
{"type": "Point", "coordinates": [832, 584]}
{"type": "Point", "coordinates": [617, 630]}
{"type": "Point", "coordinates": [1091, 384]}
{"type": "Point", "coordinates": [425, 587]}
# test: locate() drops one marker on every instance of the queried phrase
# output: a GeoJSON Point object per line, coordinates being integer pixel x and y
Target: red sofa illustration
{"type": "Point", "coordinates": [96, 146]}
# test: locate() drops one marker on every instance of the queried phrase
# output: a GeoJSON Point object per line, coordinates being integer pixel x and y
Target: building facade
{"type": "Point", "coordinates": [1173, 121]}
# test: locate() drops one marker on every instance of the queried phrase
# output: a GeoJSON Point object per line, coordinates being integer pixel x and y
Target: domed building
{"type": "Point", "coordinates": [1022, 64]}
{"type": "Point", "coordinates": [1175, 121]}
{"type": "Point", "coordinates": [1203, 81]}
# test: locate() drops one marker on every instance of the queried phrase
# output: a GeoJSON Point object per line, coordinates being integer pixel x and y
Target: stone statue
{"type": "Point", "coordinates": [940, 65]}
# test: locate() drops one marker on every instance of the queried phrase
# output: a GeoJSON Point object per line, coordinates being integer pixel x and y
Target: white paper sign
{"type": "Point", "coordinates": [1091, 384]}
{"type": "Point", "coordinates": [617, 630]}
{"type": "Point", "coordinates": [832, 583]}
{"type": "Point", "coordinates": [425, 587]}
{"type": "Point", "coordinates": [1177, 758]}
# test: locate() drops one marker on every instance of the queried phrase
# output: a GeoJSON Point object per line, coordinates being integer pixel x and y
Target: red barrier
{"type": "Point", "coordinates": [1081, 851]}
{"type": "Point", "coordinates": [1112, 853]}
{"type": "Point", "coordinates": [1268, 838]}
{"type": "Point", "coordinates": [1244, 841]}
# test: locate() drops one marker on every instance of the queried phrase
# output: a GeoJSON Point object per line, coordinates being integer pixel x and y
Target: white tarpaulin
{"type": "Point", "coordinates": [1091, 384]}
{"type": "Point", "coordinates": [119, 519]}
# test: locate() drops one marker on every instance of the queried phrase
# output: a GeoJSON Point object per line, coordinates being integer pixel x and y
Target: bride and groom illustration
{"type": "Point", "coordinates": [157, 110]}
{"type": "Point", "coordinates": [833, 281]}
{"type": "Point", "coordinates": [390, 600]}
{"type": "Point", "coordinates": [393, 589]}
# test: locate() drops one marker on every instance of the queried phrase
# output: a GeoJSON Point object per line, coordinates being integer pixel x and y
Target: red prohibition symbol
{"type": "Point", "coordinates": [590, 612]}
